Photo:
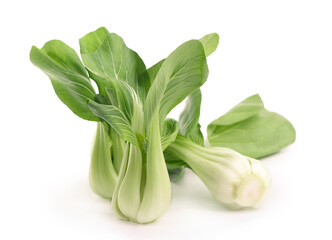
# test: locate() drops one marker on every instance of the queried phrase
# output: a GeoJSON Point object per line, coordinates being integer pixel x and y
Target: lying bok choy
{"type": "Point", "coordinates": [136, 149]}
{"type": "Point", "coordinates": [247, 128]}
{"type": "Point", "coordinates": [234, 180]}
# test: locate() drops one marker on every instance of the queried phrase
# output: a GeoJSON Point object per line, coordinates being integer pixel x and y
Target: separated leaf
{"type": "Point", "coordinates": [68, 76]}
{"type": "Point", "coordinates": [251, 130]}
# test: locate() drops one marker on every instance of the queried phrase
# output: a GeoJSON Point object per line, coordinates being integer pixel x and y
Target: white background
{"type": "Point", "coordinates": [279, 49]}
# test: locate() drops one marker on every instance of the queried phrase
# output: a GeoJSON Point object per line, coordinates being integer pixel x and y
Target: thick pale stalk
{"type": "Point", "coordinates": [233, 179]}
{"type": "Point", "coordinates": [143, 191]}
{"type": "Point", "coordinates": [157, 191]}
{"type": "Point", "coordinates": [122, 173]}
{"type": "Point", "coordinates": [102, 174]}
{"type": "Point", "coordinates": [129, 198]}
{"type": "Point", "coordinates": [129, 195]}
{"type": "Point", "coordinates": [118, 146]}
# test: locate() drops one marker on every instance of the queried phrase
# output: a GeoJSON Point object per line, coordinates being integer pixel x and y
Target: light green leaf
{"type": "Point", "coordinates": [127, 98]}
{"type": "Point", "coordinates": [190, 115]}
{"type": "Point", "coordinates": [152, 71]}
{"type": "Point", "coordinates": [210, 43]}
{"type": "Point", "coordinates": [196, 135]}
{"type": "Point", "coordinates": [116, 119]}
{"type": "Point", "coordinates": [112, 97]}
{"type": "Point", "coordinates": [124, 97]}
{"type": "Point", "coordinates": [183, 71]}
{"type": "Point", "coordinates": [169, 132]}
{"type": "Point", "coordinates": [108, 59]}
{"type": "Point", "coordinates": [68, 76]}
{"type": "Point", "coordinates": [189, 118]}
{"type": "Point", "coordinates": [251, 130]}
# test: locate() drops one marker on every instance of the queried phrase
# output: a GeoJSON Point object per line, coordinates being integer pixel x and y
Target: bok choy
{"type": "Point", "coordinates": [137, 150]}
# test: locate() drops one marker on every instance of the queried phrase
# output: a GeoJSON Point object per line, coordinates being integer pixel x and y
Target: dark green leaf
{"type": "Point", "coordinates": [210, 43]}
{"type": "Point", "coordinates": [189, 118]}
{"type": "Point", "coordinates": [169, 131]}
{"type": "Point", "coordinates": [196, 135]}
{"type": "Point", "coordinates": [108, 59]}
{"type": "Point", "coordinates": [152, 71]}
{"type": "Point", "coordinates": [175, 174]}
{"type": "Point", "coordinates": [116, 119]}
{"type": "Point", "coordinates": [175, 166]}
{"type": "Point", "coordinates": [68, 75]}
{"type": "Point", "coordinates": [182, 73]}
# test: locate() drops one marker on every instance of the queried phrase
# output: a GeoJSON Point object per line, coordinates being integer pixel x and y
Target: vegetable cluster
{"type": "Point", "coordinates": [137, 151]}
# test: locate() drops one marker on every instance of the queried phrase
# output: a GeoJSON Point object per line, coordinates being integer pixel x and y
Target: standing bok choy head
{"type": "Point", "coordinates": [135, 105]}
{"type": "Point", "coordinates": [127, 161]}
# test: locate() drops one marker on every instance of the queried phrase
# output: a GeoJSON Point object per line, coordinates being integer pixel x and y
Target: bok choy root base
{"type": "Point", "coordinates": [136, 150]}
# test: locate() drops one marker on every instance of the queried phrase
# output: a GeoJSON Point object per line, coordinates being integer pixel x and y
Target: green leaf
{"type": "Point", "coordinates": [108, 59]}
{"type": "Point", "coordinates": [190, 115]}
{"type": "Point", "coordinates": [189, 118]}
{"type": "Point", "coordinates": [183, 71]}
{"type": "Point", "coordinates": [169, 132]}
{"type": "Point", "coordinates": [251, 130]}
{"type": "Point", "coordinates": [116, 119]}
{"type": "Point", "coordinates": [196, 135]}
{"type": "Point", "coordinates": [126, 98]}
{"type": "Point", "coordinates": [112, 97]}
{"type": "Point", "coordinates": [210, 43]}
{"type": "Point", "coordinates": [175, 166]}
{"type": "Point", "coordinates": [68, 76]}
{"type": "Point", "coordinates": [153, 71]}
{"type": "Point", "coordinates": [245, 109]}
{"type": "Point", "coordinates": [175, 174]}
